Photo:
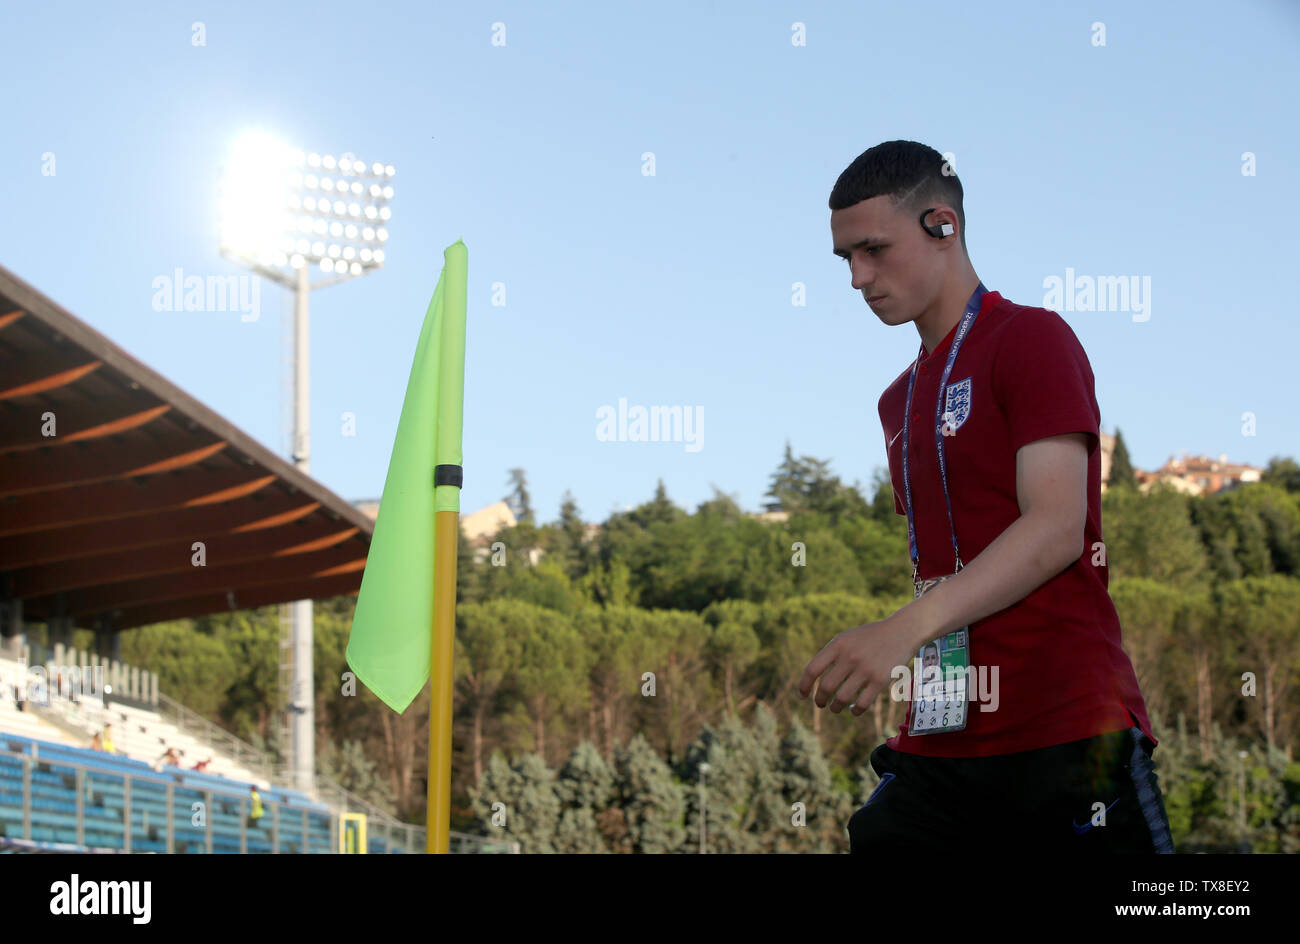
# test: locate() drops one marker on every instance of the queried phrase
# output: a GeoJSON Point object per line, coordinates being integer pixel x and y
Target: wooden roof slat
{"type": "Point", "coordinates": [38, 378]}
{"type": "Point", "coordinates": [174, 557]}
{"type": "Point", "coordinates": [112, 537]}
{"type": "Point", "coordinates": [113, 596]}
{"type": "Point", "coordinates": [245, 599]}
{"type": "Point", "coordinates": [71, 425]}
{"type": "Point", "coordinates": [127, 498]}
{"type": "Point", "coordinates": [88, 463]}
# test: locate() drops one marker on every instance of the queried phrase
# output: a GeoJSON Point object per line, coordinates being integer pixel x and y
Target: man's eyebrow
{"type": "Point", "coordinates": [860, 244]}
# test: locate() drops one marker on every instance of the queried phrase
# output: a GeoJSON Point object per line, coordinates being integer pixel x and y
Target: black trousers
{"type": "Point", "coordinates": [1098, 795]}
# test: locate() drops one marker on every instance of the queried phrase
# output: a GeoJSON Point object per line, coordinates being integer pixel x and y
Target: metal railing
{"type": "Point", "coordinates": [245, 754]}
{"type": "Point", "coordinates": [412, 838]}
{"type": "Point", "coordinates": [132, 820]}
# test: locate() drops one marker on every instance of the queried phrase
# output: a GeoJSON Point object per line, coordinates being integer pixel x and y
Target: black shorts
{"type": "Point", "coordinates": [1044, 800]}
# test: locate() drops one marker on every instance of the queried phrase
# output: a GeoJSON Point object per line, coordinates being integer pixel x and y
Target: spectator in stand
{"type": "Point", "coordinates": [95, 743]}
{"type": "Point", "coordinates": [107, 740]}
{"type": "Point", "coordinates": [256, 814]}
{"type": "Point", "coordinates": [169, 759]}
{"type": "Point", "coordinates": [202, 765]}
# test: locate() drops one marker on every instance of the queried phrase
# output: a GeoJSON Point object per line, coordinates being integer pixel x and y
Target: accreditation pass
{"type": "Point", "coordinates": [939, 686]}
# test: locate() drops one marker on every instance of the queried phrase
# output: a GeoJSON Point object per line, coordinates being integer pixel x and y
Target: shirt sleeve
{"type": "Point", "coordinates": [894, 466]}
{"type": "Point", "coordinates": [1042, 380]}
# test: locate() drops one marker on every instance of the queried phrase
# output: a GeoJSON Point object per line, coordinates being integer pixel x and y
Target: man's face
{"type": "Point", "coordinates": [901, 261]}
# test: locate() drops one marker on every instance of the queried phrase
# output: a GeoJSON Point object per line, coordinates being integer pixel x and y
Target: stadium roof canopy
{"type": "Point", "coordinates": [109, 475]}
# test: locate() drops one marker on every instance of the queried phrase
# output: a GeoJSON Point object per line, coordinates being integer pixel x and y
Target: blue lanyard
{"type": "Point", "coordinates": [963, 328]}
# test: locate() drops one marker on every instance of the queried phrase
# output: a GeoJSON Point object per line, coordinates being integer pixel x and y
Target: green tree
{"type": "Point", "coordinates": [252, 637]}
{"type": "Point", "coordinates": [733, 644]}
{"type": "Point", "coordinates": [810, 793]}
{"type": "Point", "coordinates": [651, 800]}
{"type": "Point", "coordinates": [658, 510]}
{"type": "Point", "coordinates": [820, 562]}
{"type": "Point", "coordinates": [1263, 614]}
{"type": "Point", "coordinates": [349, 767]}
{"type": "Point", "coordinates": [1282, 472]}
{"type": "Point", "coordinates": [1147, 610]}
{"type": "Point", "coordinates": [733, 758]}
{"type": "Point", "coordinates": [1121, 468]}
{"type": "Point", "coordinates": [675, 649]}
{"type": "Point", "coordinates": [517, 498]}
{"type": "Point", "coordinates": [585, 788]}
{"type": "Point", "coordinates": [1152, 535]}
{"type": "Point", "coordinates": [613, 639]}
{"type": "Point", "coordinates": [807, 484]}
{"type": "Point", "coordinates": [487, 650]}
{"type": "Point", "coordinates": [530, 806]}
{"type": "Point", "coordinates": [566, 542]}
{"type": "Point", "coordinates": [551, 675]}
{"type": "Point", "coordinates": [193, 668]}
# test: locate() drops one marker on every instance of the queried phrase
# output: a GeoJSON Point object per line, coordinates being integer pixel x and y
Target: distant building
{"type": "Point", "coordinates": [1200, 475]}
{"type": "Point", "coordinates": [479, 527]}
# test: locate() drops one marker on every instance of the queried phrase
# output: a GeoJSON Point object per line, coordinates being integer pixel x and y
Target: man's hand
{"type": "Point", "coordinates": [859, 663]}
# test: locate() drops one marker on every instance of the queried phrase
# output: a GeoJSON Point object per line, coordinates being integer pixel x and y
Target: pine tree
{"type": "Point", "coordinates": [810, 794]}
{"type": "Point", "coordinates": [531, 807]}
{"type": "Point", "coordinates": [651, 799]}
{"type": "Point", "coordinates": [770, 818]}
{"type": "Point", "coordinates": [731, 753]}
{"type": "Point", "coordinates": [660, 508]}
{"type": "Point", "coordinates": [806, 484]}
{"type": "Point", "coordinates": [789, 483]}
{"type": "Point", "coordinates": [520, 504]}
{"type": "Point", "coordinates": [1122, 474]}
{"type": "Point", "coordinates": [569, 540]}
{"type": "Point", "coordinates": [348, 766]}
{"type": "Point", "coordinates": [585, 788]}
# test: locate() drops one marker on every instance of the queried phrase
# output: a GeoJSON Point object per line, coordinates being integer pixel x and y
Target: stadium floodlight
{"type": "Point", "coordinates": [283, 213]}
{"type": "Point", "coordinates": [271, 191]}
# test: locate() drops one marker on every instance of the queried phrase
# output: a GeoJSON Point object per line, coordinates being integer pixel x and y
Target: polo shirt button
{"type": "Point", "coordinates": [916, 416]}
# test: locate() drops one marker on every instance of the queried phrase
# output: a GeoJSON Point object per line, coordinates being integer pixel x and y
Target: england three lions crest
{"type": "Point", "coordinates": [956, 406]}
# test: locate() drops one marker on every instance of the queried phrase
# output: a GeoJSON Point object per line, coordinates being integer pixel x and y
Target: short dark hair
{"type": "Point", "coordinates": [909, 173]}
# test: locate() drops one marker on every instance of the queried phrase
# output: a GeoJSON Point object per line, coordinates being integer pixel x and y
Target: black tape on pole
{"type": "Point", "coordinates": [448, 475]}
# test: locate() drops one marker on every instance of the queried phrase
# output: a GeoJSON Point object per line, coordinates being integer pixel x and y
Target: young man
{"type": "Point", "coordinates": [1048, 747]}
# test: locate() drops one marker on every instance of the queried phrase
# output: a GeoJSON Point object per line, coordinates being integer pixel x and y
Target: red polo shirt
{"type": "Point", "coordinates": [1062, 675]}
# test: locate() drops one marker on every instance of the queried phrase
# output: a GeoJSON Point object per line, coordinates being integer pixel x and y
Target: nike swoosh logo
{"type": "Point", "coordinates": [891, 443]}
{"type": "Point", "coordinates": [1080, 830]}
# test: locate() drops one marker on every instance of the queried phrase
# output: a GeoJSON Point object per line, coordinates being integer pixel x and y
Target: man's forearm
{"type": "Point", "coordinates": [1022, 558]}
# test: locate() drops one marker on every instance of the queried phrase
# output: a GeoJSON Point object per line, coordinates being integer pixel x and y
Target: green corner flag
{"type": "Point", "coordinates": [389, 646]}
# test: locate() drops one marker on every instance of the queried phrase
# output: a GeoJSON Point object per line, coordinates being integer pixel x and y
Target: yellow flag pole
{"type": "Point", "coordinates": [438, 821]}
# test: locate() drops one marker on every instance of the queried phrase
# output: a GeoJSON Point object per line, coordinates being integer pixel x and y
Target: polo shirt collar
{"type": "Point", "coordinates": [941, 349]}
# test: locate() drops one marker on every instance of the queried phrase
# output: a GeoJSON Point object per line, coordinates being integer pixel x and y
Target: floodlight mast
{"type": "Point", "coordinates": [278, 207]}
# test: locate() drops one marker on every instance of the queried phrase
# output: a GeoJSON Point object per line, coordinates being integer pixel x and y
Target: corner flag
{"type": "Point", "coordinates": [403, 627]}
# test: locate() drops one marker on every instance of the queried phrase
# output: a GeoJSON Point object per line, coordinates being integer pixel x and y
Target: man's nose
{"type": "Point", "coordinates": [862, 276]}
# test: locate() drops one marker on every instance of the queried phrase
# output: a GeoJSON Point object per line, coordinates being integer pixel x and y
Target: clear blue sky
{"type": "Point", "coordinates": [673, 289]}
